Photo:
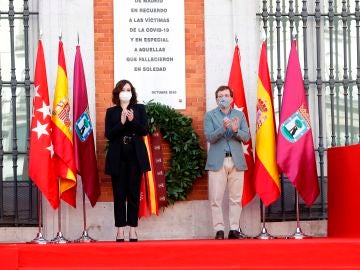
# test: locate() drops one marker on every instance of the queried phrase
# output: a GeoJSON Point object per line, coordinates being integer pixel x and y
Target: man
{"type": "Point", "coordinates": [225, 130]}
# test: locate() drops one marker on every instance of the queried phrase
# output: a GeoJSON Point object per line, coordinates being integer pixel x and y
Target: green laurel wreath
{"type": "Point", "coordinates": [187, 156]}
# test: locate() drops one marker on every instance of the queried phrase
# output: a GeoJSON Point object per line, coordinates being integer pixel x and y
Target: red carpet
{"type": "Point", "coordinates": [316, 253]}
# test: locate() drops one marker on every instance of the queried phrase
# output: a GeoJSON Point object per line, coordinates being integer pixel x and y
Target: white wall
{"type": "Point", "coordinates": [223, 21]}
{"type": "Point", "coordinates": [69, 18]}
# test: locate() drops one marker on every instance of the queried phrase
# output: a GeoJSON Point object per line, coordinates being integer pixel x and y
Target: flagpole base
{"type": "Point", "coordinates": [264, 235]}
{"type": "Point", "coordinates": [39, 239]}
{"type": "Point", "coordinates": [84, 238]}
{"type": "Point", "coordinates": [243, 235]}
{"type": "Point", "coordinates": [298, 234]}
{"type": "Point", "coordinates": [59, 239]}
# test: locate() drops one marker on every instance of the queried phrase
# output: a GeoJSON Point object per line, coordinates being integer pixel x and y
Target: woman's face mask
{"type": "Point", "coordinates": [125, 96]}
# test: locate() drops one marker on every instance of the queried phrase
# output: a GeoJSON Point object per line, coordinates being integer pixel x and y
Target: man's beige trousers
{"type": "Point", "coordinates": [218, 180]}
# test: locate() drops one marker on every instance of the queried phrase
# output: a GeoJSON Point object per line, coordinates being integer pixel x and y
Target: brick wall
{"type": "Point", "coordinates": [104, 80]}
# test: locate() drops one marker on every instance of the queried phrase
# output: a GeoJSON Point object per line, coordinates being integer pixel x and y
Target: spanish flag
{"type": "Point", "coordinates": [266, 175]}
{"type": "Point", "coordinates": [62, 134]}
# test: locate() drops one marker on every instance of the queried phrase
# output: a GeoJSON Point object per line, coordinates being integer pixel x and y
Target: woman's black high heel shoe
{"type": "Point", "coordinates": [133, 239]}
{"type": "Point", "coordinates": [122, 239]}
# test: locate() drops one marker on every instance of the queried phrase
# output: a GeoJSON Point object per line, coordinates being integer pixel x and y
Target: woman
{"type": "Point", "coordinates": [127, 158]}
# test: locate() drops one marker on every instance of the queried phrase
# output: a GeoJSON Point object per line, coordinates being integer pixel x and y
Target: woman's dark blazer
{"type": "Point", "coordinates": [114, 132]}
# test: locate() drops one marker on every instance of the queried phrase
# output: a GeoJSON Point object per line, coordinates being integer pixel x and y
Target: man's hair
{"type": "Point", "coordinates": [222, 88]}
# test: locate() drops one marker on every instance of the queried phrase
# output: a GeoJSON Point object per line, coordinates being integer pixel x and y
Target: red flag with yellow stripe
{"type": "Point", "coordinates": [144, 210]}
{"type": "Point", "coordinates": [151, 181]}
{"type": "Point", "coordinates": [266, 176]}
{"type": "Point", "coordinates": [62, 134]}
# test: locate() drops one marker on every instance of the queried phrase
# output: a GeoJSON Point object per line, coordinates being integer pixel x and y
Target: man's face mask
{"type": "Point", "coordinates": [224, 102]}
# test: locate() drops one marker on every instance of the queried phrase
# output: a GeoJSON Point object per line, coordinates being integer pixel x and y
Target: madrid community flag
{"type": "Point", "coordinates": [84, 145]}
{"type": "Point", "coordinates": [295, 147]}
{"type": "Point", "coordinates": [266, 176]}
{"type": "Point", "coordinates": [237, 85]}
{"type": "Point", "coordinates": [41, 162]}
{"type": "Point", "coordinates": [62, 134]}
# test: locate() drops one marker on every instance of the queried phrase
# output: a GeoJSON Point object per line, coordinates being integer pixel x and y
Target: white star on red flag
{"type": "Point", "coordinates": [37, 91]}
{"type": "Point", "coordinates": [40, 129]}
{"type": "Point", "coordinates": [51, 149]}
{"type": "Point", "coordinates": [45, 110]}
{"type": "Point", "coordinates": [245, 147]}
{"type": "Point", "coordinates": [240, 109]}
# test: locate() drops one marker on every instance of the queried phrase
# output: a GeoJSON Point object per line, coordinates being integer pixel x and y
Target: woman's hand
{"type": "Point", "coordinates": [130, 115]}
{"type": "Point", "coordinates": [123, 116]}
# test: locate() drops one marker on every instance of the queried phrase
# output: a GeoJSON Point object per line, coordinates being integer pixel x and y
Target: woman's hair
{"type": "Point", "coordinates": [118, 88]}
{"type": "Point", "coordinates": [222, 88]}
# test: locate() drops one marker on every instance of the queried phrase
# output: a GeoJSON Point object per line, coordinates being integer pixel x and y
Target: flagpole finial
{"type": "Point", "coordinates": [60, 35]}
{"type": "Point", "coordinates": [236, 39]}
{"type": "Point", "coordinates": [78, 38]}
